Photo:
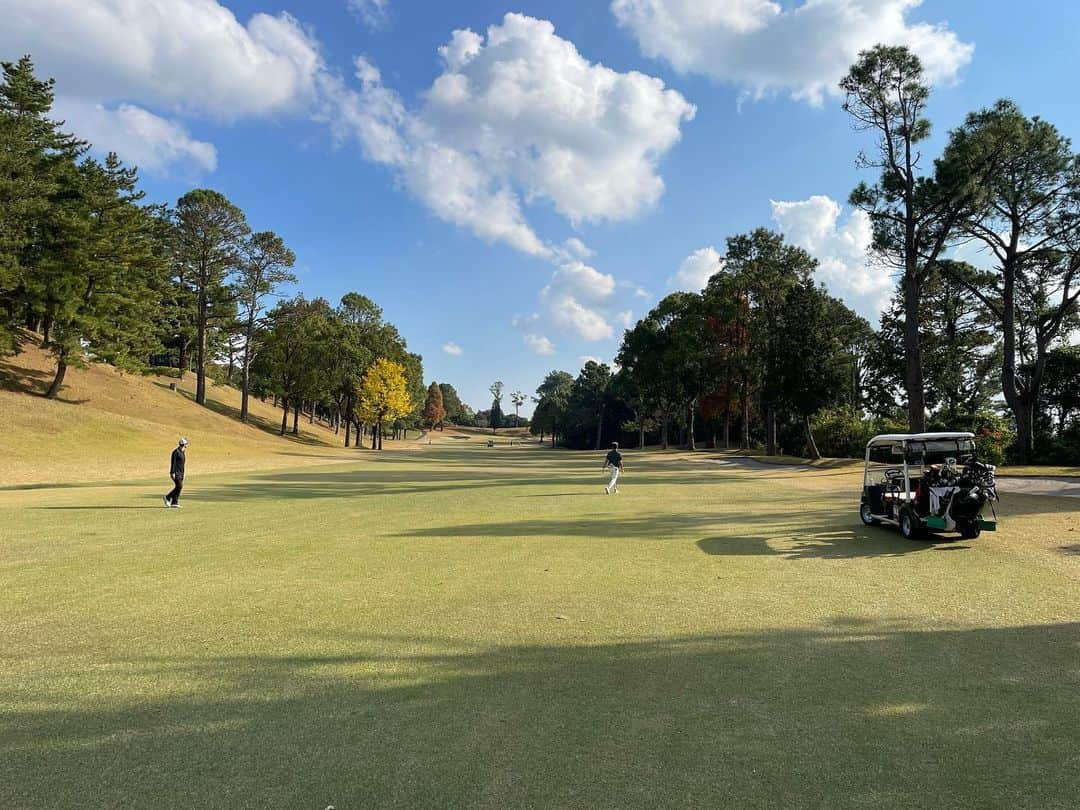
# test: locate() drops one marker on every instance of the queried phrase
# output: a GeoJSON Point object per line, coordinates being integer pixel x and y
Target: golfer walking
{"type": "Point", "coordinates": [176, 473]}
{"type": "Point", "coordinates": [613, 462]}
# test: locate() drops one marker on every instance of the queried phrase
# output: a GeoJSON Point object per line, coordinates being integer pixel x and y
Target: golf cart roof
{"type": "Point", "coordinates": [918, 437]}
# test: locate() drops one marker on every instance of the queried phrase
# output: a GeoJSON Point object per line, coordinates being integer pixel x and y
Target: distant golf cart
{"type": "Point", "coordinates": [927, 482]}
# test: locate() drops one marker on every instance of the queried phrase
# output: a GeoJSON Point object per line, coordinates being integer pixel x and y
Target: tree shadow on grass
{"type": "Point", "coordinates": [847, 715]}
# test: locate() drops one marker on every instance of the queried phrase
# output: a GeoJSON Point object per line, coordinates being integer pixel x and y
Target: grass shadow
{"type": "Point", "coordinates": [827, 717]}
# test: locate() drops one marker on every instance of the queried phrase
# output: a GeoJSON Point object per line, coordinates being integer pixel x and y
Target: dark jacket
{"type": "Point", "coordinates": [176, 466]}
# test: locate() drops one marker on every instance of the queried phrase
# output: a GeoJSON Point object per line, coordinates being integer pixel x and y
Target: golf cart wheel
{"type": "Point", "coordinates": [909, 525]}
{"type": "Point", "coordinates": [866, 516]}
{"type": "Point", "coordinates": [970, 531]}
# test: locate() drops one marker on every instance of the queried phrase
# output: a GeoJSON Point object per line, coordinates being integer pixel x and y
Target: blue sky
{"type": "Point", "coordinates": [445, 186]}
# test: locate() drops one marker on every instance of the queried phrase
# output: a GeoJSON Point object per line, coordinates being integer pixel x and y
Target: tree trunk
{"type": "Point", "coordinates": [374, 443]}
{"type": "Point", "coordinates": [727, 431]}
{"type": "Point", "coordinates": [46, 328]}
{"type": "Point", "coordinates": [641, 433]}
{"type": "Point", "coordinates": [770, 431]}
{"type": "Point", "coordinates": [691, 444]}
{"type": "Point", "coordinates": [810, 443]}
{"type": "Point", "coordinates": [181, 362]}
{"type": "Point", "coordinates": [664, 431]}
{"type": "Point", "coordinates": [348, 427]}
{"type": "Point", "coordinates": [200, 351]}
{"type": "Point", "coordinates": [58, 380]}
{"type": "Point", "coordinates": [745, 412]}
{"type": "Point", "coordinates": [913, 374]}
{"type": "Point", "coordinates": [1009, 387]}
{"type": "Point", "coordinates": [599, 428]}
{"type": "Point", "coordinates": [245, 372]}
{"type": "Point", "coordinates": [296, 417]}
{"type": "Point", "coordinates": [284, 416]}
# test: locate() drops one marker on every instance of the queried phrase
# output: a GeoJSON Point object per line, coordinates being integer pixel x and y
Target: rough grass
{"type": "Point", "coordinates": [110, 426]}
{"type": "Point", "coordinates": [475, 627]}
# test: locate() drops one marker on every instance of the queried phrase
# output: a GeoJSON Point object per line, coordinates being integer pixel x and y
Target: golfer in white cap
{"type": "Point", "coordinates": [176, 473]}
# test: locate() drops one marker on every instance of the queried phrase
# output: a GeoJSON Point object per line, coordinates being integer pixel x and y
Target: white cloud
{"type": "Point", "coordinates": [520, 117]}
{"type": "Point", "coordinates": [582, 281]}
{"type": "Point", "coordinates": [696, 270]}
{"type": "Point", "coordinates": [452, 349]}
{"type": "Point", "coordinates": [375, 14]}
{"type": "Point", "coordinates": [569, 314]}
{"type": "Point", "coordinates": [184, 55]}
{"type": "Point", "coordinates": [577, 249]}
{"type": "Point", "coordinates": [126, 70]}
{"type": "Point", "coordinates": [625, 318]}
{"type": "Point", "coordinates": [589, 358]}
{"type": "Point", "coordinates": [845, 266]}
{"type": "Point", "coordinates": [139, 137]}
{"type": "Point", "coordinates": [570, 300]}
{"type": "Point", "coordinates": [540, 345]}
{"type": "Point", "coordinates": [804, 50]}
{"type": "Point", "coordinates": [517, 116]}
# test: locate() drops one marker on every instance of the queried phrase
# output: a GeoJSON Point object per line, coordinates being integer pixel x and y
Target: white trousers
{"type": "Point", "coordinates": [614, 478]}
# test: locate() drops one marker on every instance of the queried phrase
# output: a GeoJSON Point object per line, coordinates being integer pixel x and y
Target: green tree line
{"type": "Point", "coordinates": [102, 276]}
{"type": "Point", "coordinates": [763, 356]}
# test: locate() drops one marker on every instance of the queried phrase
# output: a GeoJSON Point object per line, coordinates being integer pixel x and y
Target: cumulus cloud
{"type": "Point", "coordinates": [120, 66]}
{"type": "Point", "coordinates": [696, 270]}
{"type": "Point", "coordinates": [540, 345]}
{"type": "Point", "coordinates": [801, 49]}
{"type": "Point", "coordinates": [375, 14]}
{"type": "Point", "coordinates": [841, 246]}
{"type": "Point", "coordinates": [570, 300]}
{"type": "Point", "coordinates": [452, 349]}
{"type": "Point", "coordinates": [577, 249]}
{"type": "Point", "coordinates": [516, 117]}
{"type": "Point", "coordinates": [186, 55]}
{"type": "Point", "coordinates": [139, 137]}
{"type": "Point", "coordinates": [520, 116]}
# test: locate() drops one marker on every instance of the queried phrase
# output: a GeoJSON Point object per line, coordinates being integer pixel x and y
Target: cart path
{"type": "Point", "coordinates": [1059, 487]}
{"type": "Point", "coordinates": [1054, 486]}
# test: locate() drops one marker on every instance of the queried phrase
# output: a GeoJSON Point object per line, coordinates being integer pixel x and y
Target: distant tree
{"type": "Point", "coordinates": [552, 399]}
{"type": "Point", "coordinates": [434, 411]}
{"type": "Point", "coordinates": [263, 269]}
{"type": "Point", "coordinates": [519, 398]}
{"type": "Point", "coordinates": [457, 412]}
{"type": "Point", "coordinates": [768, 270]}
{"type": "Point", "coordinates": [383, 396]}
{"type": "Point", "coordinates": [1061, 385]}
{"type": "Point", "coordinates": [588, 400]}
{"type": "Point", "coordinates": [210, 232]}
{"type": "Point", "coordinates": [912, 215]}
{"type": "Point", "coordinates": [811, 356]}
{"type": "Point", "coordinates": [293, 358]}
{"type": "Point", "coordinates": [495, 418]}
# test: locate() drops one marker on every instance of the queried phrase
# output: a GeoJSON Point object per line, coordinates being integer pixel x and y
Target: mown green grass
{"type": "Point", "coordinates": [474, 627]}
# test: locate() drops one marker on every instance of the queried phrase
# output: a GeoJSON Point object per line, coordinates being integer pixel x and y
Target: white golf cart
{"type": "Point", "coordinates": [924, 482]}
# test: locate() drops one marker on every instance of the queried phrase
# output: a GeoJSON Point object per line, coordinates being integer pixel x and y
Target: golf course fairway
{"type": "Point", "coordinates": [463, 626]}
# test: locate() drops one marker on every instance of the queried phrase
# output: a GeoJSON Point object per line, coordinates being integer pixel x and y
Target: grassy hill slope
{"type": "Point", "coordinates": [110, 426]}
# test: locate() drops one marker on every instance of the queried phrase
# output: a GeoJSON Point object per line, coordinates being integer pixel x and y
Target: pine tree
{"type": "Point", "coordinates": [209, 235]}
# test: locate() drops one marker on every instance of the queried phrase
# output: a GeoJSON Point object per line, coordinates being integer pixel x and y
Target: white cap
{"type": "Point", "coordinates": [183, 441]}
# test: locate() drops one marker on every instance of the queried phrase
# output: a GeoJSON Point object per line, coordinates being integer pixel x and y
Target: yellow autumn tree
{"type": "Point", "coordinates": [383, 396]}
